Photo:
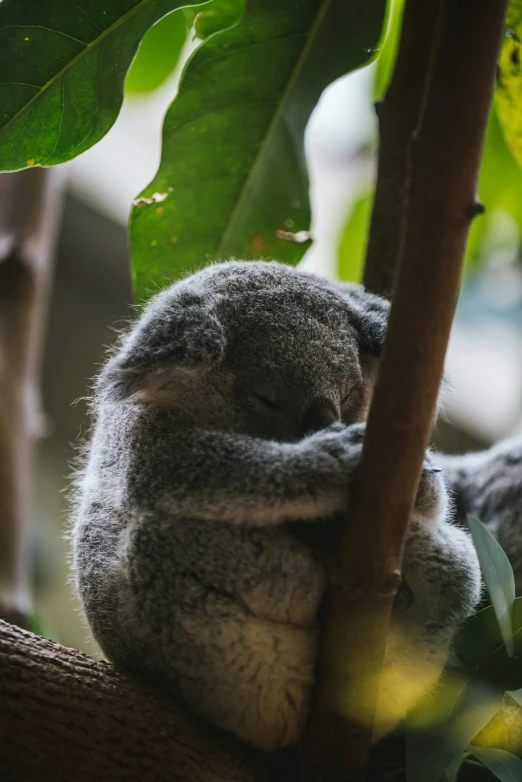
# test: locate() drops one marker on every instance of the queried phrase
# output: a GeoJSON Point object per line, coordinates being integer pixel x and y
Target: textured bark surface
{"type": "Point", "coordinates": [65, 716]}
{"type": "Point", "coordinates": [399, 116]}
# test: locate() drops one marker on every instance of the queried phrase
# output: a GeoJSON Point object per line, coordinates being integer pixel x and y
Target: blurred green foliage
{"type": "Point", "coordinates": [158, 55]}
{"type": "Point", "coordinates": [508, 95]}
{"type": "Point", "coordinates": [500, 190]}
{"type": "Point", "coordinates": [500, 181]}
{"type": "Point", "coordinates": [354, 237]}
{"type": "Point", "coordinates": [388, 49]}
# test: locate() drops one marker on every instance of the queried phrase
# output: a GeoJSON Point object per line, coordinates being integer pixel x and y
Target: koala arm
{"type": "Point", "coordinates": [213, 475]}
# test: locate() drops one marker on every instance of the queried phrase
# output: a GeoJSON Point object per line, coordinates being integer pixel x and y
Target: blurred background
{"type": "Point", "coordinates": [92, 294]}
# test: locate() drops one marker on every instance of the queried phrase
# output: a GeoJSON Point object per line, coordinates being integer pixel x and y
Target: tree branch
{"type": "Point", "coordinates": [29, 216]}
{"type": "Point", "coordinates": [399, 116]}
{"type": "Point", "coordinates": [65, 716]}
{"type": "Point", "coordinates": [367, 569]}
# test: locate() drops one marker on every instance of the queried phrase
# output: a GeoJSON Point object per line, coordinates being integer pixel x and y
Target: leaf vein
{"type": "Point", "coordinates": [47, 29]}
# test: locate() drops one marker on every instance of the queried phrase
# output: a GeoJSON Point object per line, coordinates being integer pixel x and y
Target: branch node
{"type": "Point", "coordinates": [390, 584]}
{"type": "Point", "coordinates": [475, 209]}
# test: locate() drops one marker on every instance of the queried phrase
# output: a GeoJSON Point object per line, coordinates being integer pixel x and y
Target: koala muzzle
{"type": "Point", "coordinates": [318, 415]}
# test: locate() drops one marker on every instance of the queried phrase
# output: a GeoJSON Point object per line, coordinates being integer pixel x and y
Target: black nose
{"type": "Point", "coordinates": [318, 415]}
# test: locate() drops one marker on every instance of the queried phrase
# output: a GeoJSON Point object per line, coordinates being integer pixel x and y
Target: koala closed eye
{"type": "Point", "coordinates": [267, 402]}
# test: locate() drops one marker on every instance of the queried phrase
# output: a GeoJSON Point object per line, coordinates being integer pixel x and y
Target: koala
{"type": "Point", "coordinates": [228, 427]}
{"type": "Point", "coordinates": [488, 484]}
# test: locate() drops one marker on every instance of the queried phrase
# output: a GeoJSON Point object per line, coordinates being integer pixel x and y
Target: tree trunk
{"type": "Point", "coordinates": [29, 218]}
{"type": "Point", "coordinates": [399, 116]}
{"type": "Point", "coordinates": [366, 570]}
{"type": "Point", "coordinates": [65, 716]}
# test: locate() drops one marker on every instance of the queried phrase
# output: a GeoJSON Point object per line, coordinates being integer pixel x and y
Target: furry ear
{"type": "Point", "coordinates": [371, 322]}
{"type": "Point", "coordinates": [177, 329]}
{"type": "Point", "coordinates": [371, 318]}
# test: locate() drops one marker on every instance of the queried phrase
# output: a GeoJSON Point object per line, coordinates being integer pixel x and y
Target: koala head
{"type": "Point", "coordinates": [255, 347]}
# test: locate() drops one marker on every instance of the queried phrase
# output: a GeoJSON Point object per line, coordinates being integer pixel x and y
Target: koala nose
{"type": "Point", "coordinates": [318, 415]}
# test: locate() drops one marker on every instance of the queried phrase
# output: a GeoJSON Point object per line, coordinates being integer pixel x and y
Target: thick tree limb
{"type": "Point", "coordinates": [29, 215]}
{"type": "Point", "coordinates": [399, 116]}
{"type": "Point", "coordinates": [65, 716]}
{"type": "Point", "coordinates": [367, 570]}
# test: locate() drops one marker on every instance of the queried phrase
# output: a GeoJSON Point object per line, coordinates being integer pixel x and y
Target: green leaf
{"type": "Point", "coordinates": [354, 238]}
{"type": "Point", "coordinates": [443, 726]}
{"type": "Point", "coordinates": [216, 16]}
{"type": "Point", "coordinates": [498, 575]}
{"type": "Point", "coordinates": [508, 95]}
{"type": "Point", "coordinates": [453, 768]}
{"type": "Point", "coordinates": [516, 695]}
{"type": "Point", "coordinates": [158, 54]}
{"type": "Point", "coordinates": [481, 649]}
{"type": "Point", "coordinates": [388, 53]}
{"type": "Point", "coordinates": [63, 66]}
{"type": "Point", "coordinates": [466, 698]}
{"type": "Point", "coordinates": [505, 766]}
{"type": "Point", "coordinates": [233, 161]}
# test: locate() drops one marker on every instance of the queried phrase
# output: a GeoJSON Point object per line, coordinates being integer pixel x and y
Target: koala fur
{"type": "Point", "coordinates": [227, 428]}
{"type": "Point", "coordinates": [488, 484]}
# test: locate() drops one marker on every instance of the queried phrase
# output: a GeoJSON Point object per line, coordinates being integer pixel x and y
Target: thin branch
{"type": "Point", "coordinates": [65, 716]}
{"type": "Point", "coordinates": [366, 573]}
{"type": "Point", "coordinates": [399, 116]}
{"type": "Point", "coordinates": [29, 216]}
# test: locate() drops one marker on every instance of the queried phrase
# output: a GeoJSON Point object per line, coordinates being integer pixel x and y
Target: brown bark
{"type": "Point", "coordinates": [366, 573]}
{"type": "Point", "coordinates": [65, 716]}
{"type": "Point", "coordinates": [29, 213]}
{"type": "Point", "coordinates": [399, 116]}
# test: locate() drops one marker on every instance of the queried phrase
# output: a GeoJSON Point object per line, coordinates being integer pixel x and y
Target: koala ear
{"type": "Point", "coordinates": [371, 318]}
{"type": "Point", "coordinates": [176, 330]}
{"type": "Point", "coordinates": [373, 322]}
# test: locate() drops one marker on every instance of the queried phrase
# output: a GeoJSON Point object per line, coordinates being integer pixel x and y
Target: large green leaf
{"type": "Point", "coordinates": [481, 649]}
{"type": "Point", "coordinates": [506, 766]}
{"type": "Point", "coordinates": [447, 722]}
{"type": "Point", "coordinates": [516, 695]}
{"type": "Point", "coordinates": [467, 697]}
{"type": "Point", "coordinates": [508, 95]}
{"type": "Point", "coordinates": [498, 575]}
{"type": "Point", "coordinates": [63, 66]}
{"type": "Point", "coordinates": [233, 159]}
{"type": "Point", "coordinates": [453, 768]}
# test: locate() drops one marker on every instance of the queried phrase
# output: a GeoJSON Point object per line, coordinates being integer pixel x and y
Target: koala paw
{"type": "Point", "coordinates": [431, 501]}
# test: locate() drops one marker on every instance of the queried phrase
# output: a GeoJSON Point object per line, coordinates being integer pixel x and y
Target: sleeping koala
{"type": "Point", "coordinates": [229, 424]}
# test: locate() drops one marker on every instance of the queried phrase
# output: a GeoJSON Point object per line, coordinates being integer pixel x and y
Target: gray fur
{"type": "Point", "coordinates": [488, 485]}
{"type": "Point", "coordinates": [228, 427]}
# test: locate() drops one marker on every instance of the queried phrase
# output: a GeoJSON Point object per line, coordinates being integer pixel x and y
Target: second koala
{"type": "Point", "coordinates": [232, 417]}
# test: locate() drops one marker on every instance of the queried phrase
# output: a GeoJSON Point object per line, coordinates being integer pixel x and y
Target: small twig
{"type": "Point", "coordinates": [399, 116]}
{"type": "Point", "coordinates": [366, 571]}
{"type": "Point", "coordinates": [29, 214]}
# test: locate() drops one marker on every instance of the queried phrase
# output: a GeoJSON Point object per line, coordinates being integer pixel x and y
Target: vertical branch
{"type": "Point", "coordinates": [29, 212]}
{"type": "Point", "coordinates": [399, 116]}
{"type": "Point", "coordinates": [367, 569]}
